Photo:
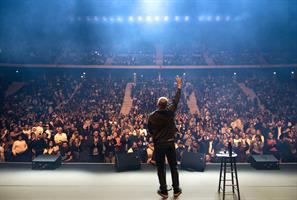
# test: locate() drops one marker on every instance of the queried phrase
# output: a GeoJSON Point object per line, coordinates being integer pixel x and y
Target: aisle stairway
{"type": "Point", "coordinates": [262, 59]}
{"type": "Point", "coordinates": [66, 101]}
{"type": "Point", "coordinates": [251, 95]}
{"type": "Point", "coordinates": [108, 61]}
{"type": "Point", "coordinates": [13, 88]}
{"type": "Point", "coordinates": [127, 103]}
{"type": "Point", "coordinates": [191, 100]}
{"type": "Point", "coordinates": [208, 59]}
{"type": "Point", "coordinates": [159, 55]}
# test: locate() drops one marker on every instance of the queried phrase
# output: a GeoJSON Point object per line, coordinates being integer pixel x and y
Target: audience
{"type": "Point", "coordinates": [80, 119]}
{"type": "Point", "coordinates": [143, 53]}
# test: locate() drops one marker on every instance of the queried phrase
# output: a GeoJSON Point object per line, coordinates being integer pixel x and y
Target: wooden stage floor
{"type": "Point", "coordinates": [100, 181]}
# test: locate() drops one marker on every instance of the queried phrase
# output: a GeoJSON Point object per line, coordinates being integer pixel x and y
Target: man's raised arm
{"type": "Point", "coordinates": [175, 101]}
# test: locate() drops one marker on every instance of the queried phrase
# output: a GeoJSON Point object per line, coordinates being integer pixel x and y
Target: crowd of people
{"type": "Point", "coordinates": [80, 119]}
{"type": "Point", "coordinates": [141, 54]}
{"type": "Point", "coordinates": [189, 54]}
{"type": "Point", "coordinates": [235, 58]}
{"type": "Point", "coordinates": [229, 115]}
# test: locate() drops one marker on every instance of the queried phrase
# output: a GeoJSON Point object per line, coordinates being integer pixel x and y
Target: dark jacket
{"type": "Point", "coordinates": [161, 122]}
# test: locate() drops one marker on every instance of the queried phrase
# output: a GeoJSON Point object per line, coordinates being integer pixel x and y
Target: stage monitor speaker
{"type": "Point", "coordinates": [127, 162]}
{"type": "Point", "coordinates": [46, 162]}
{"type": "Point", "coordinates": [264, 162]}
{"type": "Point", "coordinates": [193, 161]}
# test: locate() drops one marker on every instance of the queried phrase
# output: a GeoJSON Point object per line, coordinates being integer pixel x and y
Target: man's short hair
{"type": "Point", "coordinates": [162, 102]}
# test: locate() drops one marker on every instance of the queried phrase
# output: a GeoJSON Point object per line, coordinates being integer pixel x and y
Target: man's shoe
{"type": "Point", "coordinates": [163, 194]}
{"type": "Point", "coordinates": [177, 192]}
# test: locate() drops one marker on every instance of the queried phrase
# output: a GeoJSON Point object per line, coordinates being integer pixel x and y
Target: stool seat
{"type": "Point", "coordinates": [226, 160]}
{"type": "Point", "coordinates": [226, 155]}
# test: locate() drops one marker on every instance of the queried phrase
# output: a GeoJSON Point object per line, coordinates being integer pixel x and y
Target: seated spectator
{"type": "Point", "coordinates": [48, 131]}
{"type": "Point", "coordinates": [258, 134]}
{"type": "Point", "coordinates": [19, 149]}
{"type": "Point", "coordinates": [179, 151]}
{"type": "Point", "coordinates": [37, 145]}
{"type": "Point", "coordinates": [77, 148]}
{"type": "Point", "coordinates": [2, 155]}
{"type": "Point", "coordinates": [241, 151]}
{"type": "Point", "coordinates": [27, 131]}
{"type": "Point", "coordinates": [66, 153]}
{"type": "Point", "coordinates": [150, 152]}
{"type": "Point", "coordinates": [39, 128]}
{"type": "Point", "coordinates": [257, 145]}
{"type": "Point", "coordinates": [126, 143]}
{"type": "Point", "coordinates": [271, 146]}
{"type": "Point", "coordinates": [51, 149]}
{"type": "Point", "coordinates": [60, 137]}
{"type": "Point", "coordinates": [142, 130]}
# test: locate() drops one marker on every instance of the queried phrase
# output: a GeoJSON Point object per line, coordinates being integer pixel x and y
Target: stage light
{"type": "Point", "coordinates": [234, 73]}
{"type": "Point", "coordinates": [70, 19]}
{"type": "Point", "coordinates": [218, 18]}
{"type": "Point", "coordinates": [139, 18]}
{"type": "Point", "coordinates": [81, 76]}
{"type": "Point", "coordinates": [184, 74]}
{"type": "Point", "coordinates": [84, 73]}
{"type": "Point", "coordinates": [227, 18]}
{"type": "Point", "coordinates": [111, 19]}
{"type": "Point", "coordinates": [209, 18]}
{"type": "Point", "coordinates": [148, 18]}
{"type": "Point", "coordinates": [187, 18]}
{"type": "Point", "coordinates": [176, 18]}
{"type": "Point", "coordinates": [131, 18]}
{"type": "Point", "coordinates": [119, 19]}
{"type": "Point", "coordinates": [96, 18]}
{"type": "Point", "coordinates": [166, 18]}
{"type": "Point", "coordinates": [17, 71]}
{"type": "Point", "coordinates": [292, 72]}
{"type": "Point", "coordinates": [104, 19]}
{"type": "Point", "coordinates": [274, 73]}
{"type": "Point", "coordinates": [201, 18]}
{"type": "Point", "coordinates": [157, 18]}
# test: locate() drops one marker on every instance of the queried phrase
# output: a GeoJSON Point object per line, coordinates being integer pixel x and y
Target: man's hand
{"type": "Point", "coordinates": [179, 82]}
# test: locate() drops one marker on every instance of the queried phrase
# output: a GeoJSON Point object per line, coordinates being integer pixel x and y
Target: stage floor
{"type": "Point", "coordinates": [92, 181]}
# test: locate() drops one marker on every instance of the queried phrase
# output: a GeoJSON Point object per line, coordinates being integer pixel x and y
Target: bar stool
{"type": "Point", "coordinates": [228, 165]}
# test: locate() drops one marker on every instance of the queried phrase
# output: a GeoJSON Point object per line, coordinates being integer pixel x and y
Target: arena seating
{"type": "Point", "coordinates": [79, 117]}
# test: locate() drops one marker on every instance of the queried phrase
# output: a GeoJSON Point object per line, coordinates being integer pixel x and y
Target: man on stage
{"type": "Point", "coordinates": [161, 125]}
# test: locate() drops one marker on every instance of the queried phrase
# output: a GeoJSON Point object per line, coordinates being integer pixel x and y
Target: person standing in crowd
{"type": "Point", "coordinates": [161, 125]}
{"type": "Point", "coordinates": [110, 149]}
{"type": "Point", "coordinates": [257, 145]}
{"type": "Point", "coordinates": [96, 148]}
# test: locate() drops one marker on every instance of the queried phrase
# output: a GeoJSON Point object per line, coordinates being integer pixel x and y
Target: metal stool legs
{"type": "Point", "coordinates": [233, 172]}
{"type": "Point", "coordinates": [221, 168]}
{"type": "Point", "coordinates": [236, 177]}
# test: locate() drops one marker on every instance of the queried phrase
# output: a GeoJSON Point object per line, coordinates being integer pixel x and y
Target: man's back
{"type": "Point", "coordinates": [161, 125]}
{"type": "Point", "coordinates": [161, 122]}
